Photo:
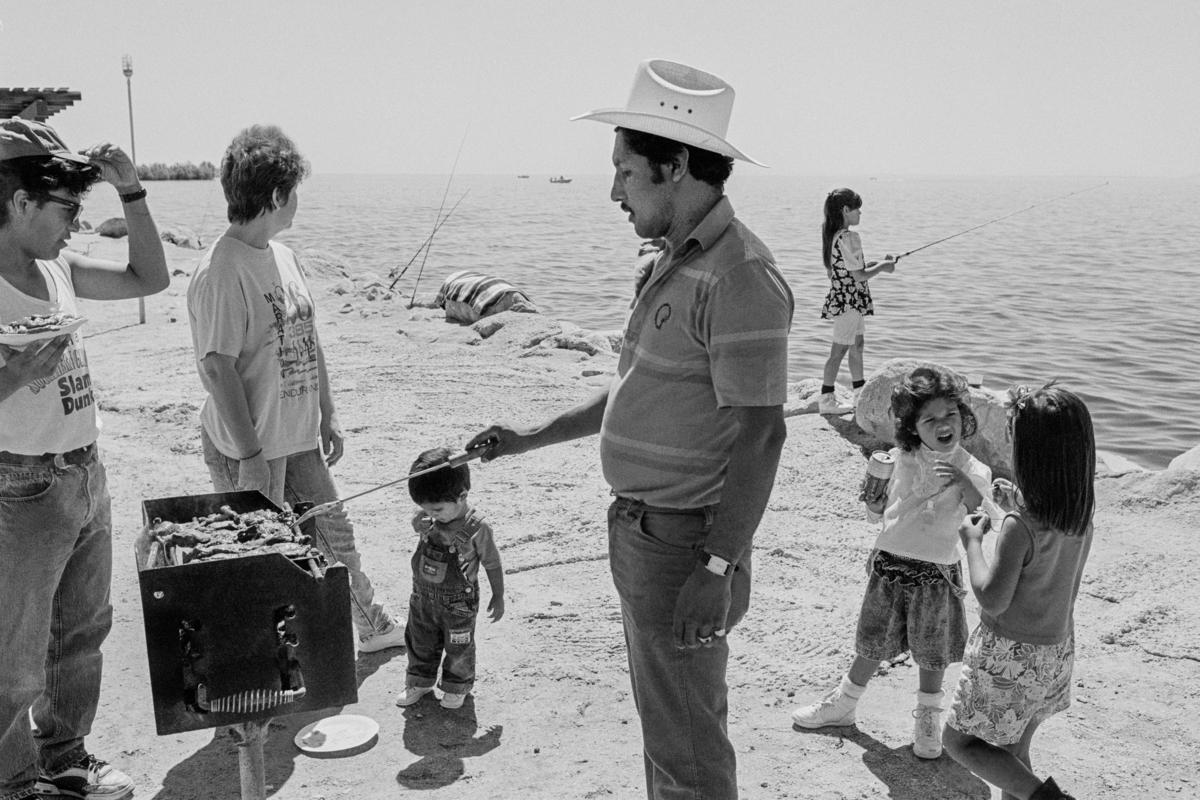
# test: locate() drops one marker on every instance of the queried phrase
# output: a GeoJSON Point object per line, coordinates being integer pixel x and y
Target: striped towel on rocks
{"type": "Point", "coordinates": [468, 296]}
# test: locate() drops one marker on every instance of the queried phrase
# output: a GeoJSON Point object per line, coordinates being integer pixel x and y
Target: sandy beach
{"type": "Point", "coordinates": [552, 716]}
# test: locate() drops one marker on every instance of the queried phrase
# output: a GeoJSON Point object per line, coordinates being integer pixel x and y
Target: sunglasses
{"type": "Point", "coordinates": [76, 208]}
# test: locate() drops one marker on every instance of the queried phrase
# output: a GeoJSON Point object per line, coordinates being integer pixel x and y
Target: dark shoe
{"type": "Point", "coordinates": [1050, 791]}
{"type": "Point", "coordinates": [89, 778]}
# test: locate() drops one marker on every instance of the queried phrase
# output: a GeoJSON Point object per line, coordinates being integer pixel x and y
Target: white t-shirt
{"type": "Point", "coordinates": [55, 414]}
{"type": "Point", "coordinates": [254, 306]}
{"type": "Point", "coordinates": [922, 515]}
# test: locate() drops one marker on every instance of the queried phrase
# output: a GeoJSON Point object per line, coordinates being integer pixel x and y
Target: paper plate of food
{"type": "Point", "coordinates": [37, 327]}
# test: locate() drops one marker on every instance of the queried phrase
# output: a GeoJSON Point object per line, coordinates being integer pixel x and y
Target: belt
{"type": "Point", "coordinates": [699, 511]}
{"type": "Point", "coordinates": [60, 460]}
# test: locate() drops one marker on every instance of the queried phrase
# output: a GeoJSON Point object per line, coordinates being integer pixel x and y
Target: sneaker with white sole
{"type": "Point", "coordinates": [828, 404]}
{"type": "Point", "coordinates": [927, 731]}
{"type": "Point", "coordinates": [453, 699]}
{"type": "Point", "coordinates": [412, 694]}
{"type": "Point", "coordinates": [392, 636]}
{"type": "Point", "coordinates": [834, 709]}
{"type": "Point", "coordinates": [89, 778]}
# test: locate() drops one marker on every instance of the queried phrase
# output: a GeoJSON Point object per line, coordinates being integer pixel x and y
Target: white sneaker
{"type": "Point", "coordinates": [927, 731]}
{"type": "Point", "coordinates": [834, 709]}
{"type": "Point", "coordinates": [412, 694]}
{"type": "Point", "coordinates": [828, 404]}
{"type": "Point", "coordinates": [453, 699]}
{"type": "Point", "coordinates": [89, 778]}
{"type": "Point", "coordinates": [389, 637]}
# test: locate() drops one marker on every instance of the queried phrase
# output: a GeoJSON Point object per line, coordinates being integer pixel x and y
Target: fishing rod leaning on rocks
{"type": "Point", "coordinates": [997, 219]}
{"type": "Point", "coordinates": [425, 244]}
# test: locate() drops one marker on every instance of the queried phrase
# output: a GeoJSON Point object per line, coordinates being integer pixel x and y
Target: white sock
{"type": "Point", "coordinates": [851, 689]}
{"type": "Point", "coordinates": [930, 699]}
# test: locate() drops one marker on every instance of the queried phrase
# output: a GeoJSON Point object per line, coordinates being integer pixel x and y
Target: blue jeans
{"type": "Point", "coordinates": [305, 477]}
{"type": "Point", "coordinates": [681, 695]}
{"type": "Point", "coordinates": [55, 573]}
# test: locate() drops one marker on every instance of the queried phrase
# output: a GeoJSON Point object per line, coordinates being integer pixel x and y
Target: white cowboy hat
{"type": "Point", "coordinates": [677, 102]}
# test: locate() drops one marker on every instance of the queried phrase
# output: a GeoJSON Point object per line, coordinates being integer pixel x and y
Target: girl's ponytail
{"type": "Point", "coordinates": [834, 202]}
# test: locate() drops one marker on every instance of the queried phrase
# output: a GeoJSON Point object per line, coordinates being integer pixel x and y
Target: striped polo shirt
{"type": "Point", "coordinates": [706, 332]}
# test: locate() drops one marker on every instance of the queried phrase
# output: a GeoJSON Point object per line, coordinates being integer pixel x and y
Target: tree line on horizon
{"type": "Point", "coordinates": [180, 171]}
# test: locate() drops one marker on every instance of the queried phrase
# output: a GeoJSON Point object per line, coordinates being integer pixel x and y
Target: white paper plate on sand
{"type": "Point", "coordinates": [337, 734]}
{"type": "Point", "coordinates": [21, 339]}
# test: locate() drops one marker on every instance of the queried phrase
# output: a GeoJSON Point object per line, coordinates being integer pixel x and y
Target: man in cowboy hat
{"type": "Point", "coordinates": [55, 521]}
{"type": "Point", "coordinates": [690, 428]}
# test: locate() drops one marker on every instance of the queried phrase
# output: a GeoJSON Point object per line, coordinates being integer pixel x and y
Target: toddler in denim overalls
{"type": "Point", "coordinates": [455, 542]}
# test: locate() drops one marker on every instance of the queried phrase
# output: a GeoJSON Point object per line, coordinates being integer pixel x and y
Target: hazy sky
{"type": "Point", "coordinates": [949, 87]}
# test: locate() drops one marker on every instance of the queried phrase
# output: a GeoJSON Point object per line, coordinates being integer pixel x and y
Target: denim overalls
{"type": "Point", "coordinates": [441, 618]}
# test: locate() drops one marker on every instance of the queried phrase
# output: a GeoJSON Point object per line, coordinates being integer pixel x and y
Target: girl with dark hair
{"type": "Point", "coordinates": [1017, 669]}
{"type": "Point", "coordinates": [848, 303]}
{"type": "Point", "coordinates": [914, 596]}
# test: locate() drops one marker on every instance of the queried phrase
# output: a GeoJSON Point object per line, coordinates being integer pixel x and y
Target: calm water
{"type": "Point", "coordinates": [1098, 290]}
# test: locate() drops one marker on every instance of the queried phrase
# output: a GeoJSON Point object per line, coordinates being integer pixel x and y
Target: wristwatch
{"type": "Point", "coordinates": [714, 564]}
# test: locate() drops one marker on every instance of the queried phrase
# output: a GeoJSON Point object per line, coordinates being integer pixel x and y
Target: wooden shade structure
{"type": "Point", "coordinates": [35, 104]}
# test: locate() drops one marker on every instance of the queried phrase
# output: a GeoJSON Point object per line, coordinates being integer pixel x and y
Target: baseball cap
{"type": "Point", "coordinates": [22, 138]}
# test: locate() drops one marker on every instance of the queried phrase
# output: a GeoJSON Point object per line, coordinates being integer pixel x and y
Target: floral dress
{"type": "Point", "coordinates": [844, 291]}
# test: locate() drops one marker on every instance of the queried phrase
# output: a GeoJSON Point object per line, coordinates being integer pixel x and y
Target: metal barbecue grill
{"type": "Point", "coordinates": [242, 638]}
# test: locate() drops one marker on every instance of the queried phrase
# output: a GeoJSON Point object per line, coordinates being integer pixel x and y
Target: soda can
{"type": "Point", "coordinates": [879, 471]}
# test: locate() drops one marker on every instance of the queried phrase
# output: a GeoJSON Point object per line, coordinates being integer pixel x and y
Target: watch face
{"type": "Point", "coordinates": [715, 564]}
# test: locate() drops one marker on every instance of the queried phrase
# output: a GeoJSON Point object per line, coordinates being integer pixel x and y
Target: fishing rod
{"type": "Point", "coordinates": [427, 241]}
{"type": "Point", "coordinates": [453, 168]}
{"type": "Point", "coordinates": [1006, 216]}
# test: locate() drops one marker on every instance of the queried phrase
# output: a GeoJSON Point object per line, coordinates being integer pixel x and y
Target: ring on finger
{"type": "Point", "coordinates": [719, 632]}
{"type": "Point", "coordinates": [704, 639]}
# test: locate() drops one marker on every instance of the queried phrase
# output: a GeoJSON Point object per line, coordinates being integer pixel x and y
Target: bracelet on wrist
{"type": "Point", "coordinates": [255, 454]}
{"type": "Point", "coordinates": [133, 197]}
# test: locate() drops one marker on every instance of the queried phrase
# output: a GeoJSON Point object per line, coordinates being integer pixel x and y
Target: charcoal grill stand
{"type": "Point", "coordinates": [250, 736]}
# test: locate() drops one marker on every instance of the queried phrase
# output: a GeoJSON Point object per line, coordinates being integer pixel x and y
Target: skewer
{"type": "Point", "coordinates": [456, 461]}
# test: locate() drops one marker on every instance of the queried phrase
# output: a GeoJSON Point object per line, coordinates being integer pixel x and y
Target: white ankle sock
{"type": "Point", "coordinates": [930, 698]}
{"type": "Point", "coordinates": [850, 688]}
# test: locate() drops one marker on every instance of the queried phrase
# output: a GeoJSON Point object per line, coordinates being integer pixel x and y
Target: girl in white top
{"type": "Point", "coordinates": [914, 594]}
{"type": "Point", "coordinates": [1017, 669]}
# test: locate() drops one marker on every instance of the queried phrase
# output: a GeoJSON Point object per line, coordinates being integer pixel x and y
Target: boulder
{"type": "Point", "coordinates": [518, 328]}
{"type": "Point", "coordinates": [989, 444]}
{"type": "Point", "coordinates": [1112, 465]}
{"type": "Point", "coordinates": [1189, 460]}
{"type": "Point", "coordinates": [113, 227]}
{"type": "Point", "coordinates": [320, 264]}
{"type": "Point", "coordinates": [180, 237]}
{"type": "Point", "coordinates": [589, 342]}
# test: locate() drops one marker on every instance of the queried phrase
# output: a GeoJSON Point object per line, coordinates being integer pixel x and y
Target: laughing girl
{"type": "Point", "coordinates": [914, 597]}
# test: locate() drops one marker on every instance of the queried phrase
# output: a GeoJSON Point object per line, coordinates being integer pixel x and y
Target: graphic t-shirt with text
{"type": "Point", "coordinates": [254, 305]}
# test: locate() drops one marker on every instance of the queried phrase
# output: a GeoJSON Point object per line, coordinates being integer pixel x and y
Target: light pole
{"type": "Point", "coordinates": [127, 70]}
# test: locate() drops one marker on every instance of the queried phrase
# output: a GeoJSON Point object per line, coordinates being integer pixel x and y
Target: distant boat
{"type": "Point", "coordinates": [560, 179]}
{"type": "Point", "coordinates": [522, 176]}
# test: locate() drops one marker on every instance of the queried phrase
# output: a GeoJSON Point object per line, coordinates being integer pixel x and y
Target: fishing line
{"type": "Point", "coordinates": [437, 219]}
{"type": "Point", "coordinates": [1006, 216]}
{"type": "Point", "coordinates": [425, 244]}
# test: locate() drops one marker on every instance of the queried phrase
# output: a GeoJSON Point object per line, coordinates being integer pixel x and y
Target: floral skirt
{"type": "Point", "coordinates": [1006, 685]}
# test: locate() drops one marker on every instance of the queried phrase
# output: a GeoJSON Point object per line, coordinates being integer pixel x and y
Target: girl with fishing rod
{"type": "Point", "coordinates": [848, 303]}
